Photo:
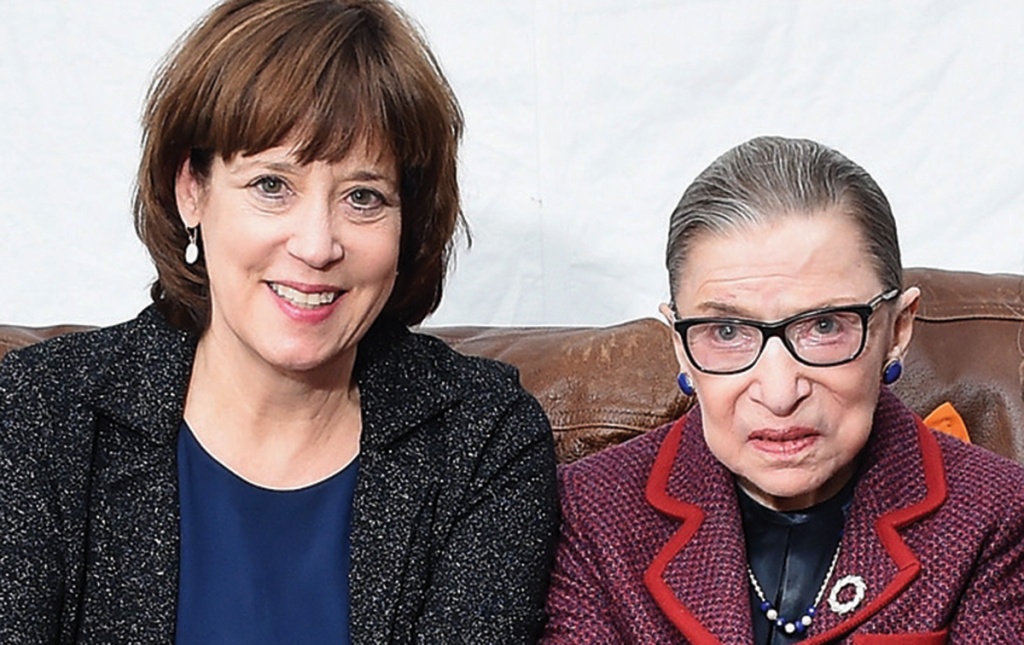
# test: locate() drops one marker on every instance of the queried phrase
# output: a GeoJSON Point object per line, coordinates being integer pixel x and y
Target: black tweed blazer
{"type": "Point", "coordinates": [455, 514]}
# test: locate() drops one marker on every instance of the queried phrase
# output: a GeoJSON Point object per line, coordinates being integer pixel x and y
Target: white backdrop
{"type": "Point", "coordinates": [586, 120]}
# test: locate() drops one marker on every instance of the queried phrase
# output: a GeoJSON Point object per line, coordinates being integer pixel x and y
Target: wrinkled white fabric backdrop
{"type": "Point", "coordinates": [586, 120]}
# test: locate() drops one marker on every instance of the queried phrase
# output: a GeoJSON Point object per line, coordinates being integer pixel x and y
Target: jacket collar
{"type": "Point", "coordinates": [145, 383]}
{"type": "Point", "coordinates": [698, 577]}
{"type": "Point", "coordinates": [143, 386]}
{"type": "Point", "coordinates": [403, 380]}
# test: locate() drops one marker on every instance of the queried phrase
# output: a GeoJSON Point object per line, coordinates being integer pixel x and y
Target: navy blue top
{"type": "Point", "coordinates": [260, 565]}
{"type": "Point", "coordinates": [790, 554]}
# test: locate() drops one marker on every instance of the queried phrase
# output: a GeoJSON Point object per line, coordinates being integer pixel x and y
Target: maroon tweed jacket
{"type": "Point", "coordinates": [652, 547]}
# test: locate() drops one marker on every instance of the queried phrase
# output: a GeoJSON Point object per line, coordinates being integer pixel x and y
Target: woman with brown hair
{"type": "Point", "coordinates": [267, 453]}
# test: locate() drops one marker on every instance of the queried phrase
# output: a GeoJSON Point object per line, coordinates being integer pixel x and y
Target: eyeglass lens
{"type": "Point", "coordinates": [825, 338]}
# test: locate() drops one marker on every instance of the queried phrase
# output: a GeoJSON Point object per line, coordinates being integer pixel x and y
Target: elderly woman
{"type": "Point", "coordinates": [799, 500]}
{"type": "Point", "coordinates": [267, 454]}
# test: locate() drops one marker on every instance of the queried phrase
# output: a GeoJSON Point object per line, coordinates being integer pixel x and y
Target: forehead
{"type": "Point", "coordinates": [772, 270]}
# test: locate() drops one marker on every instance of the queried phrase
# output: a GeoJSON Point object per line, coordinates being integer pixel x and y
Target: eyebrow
{"type": "Point", "coordinates": [715, 309]}
{"type": "Point", "coordinates": [369, 175]}
{"type": "Point", "coordinates": [280, 166]}
{"type": "Point", "coordinates": [289, 167]}
{"type": "Point", "coordinates": [243, 164]}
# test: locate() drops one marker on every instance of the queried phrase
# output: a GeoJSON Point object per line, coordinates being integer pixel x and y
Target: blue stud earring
{"type": "Point", "coordinates": [892, 372]}
{"type": "Point", "coordinates": [685, 385]}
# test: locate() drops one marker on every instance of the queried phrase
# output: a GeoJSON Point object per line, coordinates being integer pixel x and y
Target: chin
{"type": "Point", "coordinates": [790, 487]}
{"type": "Point", "coordinates": [298, 359]}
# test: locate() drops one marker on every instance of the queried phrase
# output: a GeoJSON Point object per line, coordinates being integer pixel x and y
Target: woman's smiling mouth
{"type": "Point", "coordinates": [303, 299]}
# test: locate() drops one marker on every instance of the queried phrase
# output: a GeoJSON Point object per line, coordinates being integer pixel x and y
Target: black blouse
{"type": "Point", "coordinates": [789, 554]}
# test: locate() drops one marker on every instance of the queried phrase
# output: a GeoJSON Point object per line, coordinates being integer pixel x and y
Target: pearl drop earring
{"type": "Point", "coordinates": [192, 249]}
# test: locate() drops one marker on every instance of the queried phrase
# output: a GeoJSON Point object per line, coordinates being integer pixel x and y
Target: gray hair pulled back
{"type": "Point", "coordinates": [771, 177]}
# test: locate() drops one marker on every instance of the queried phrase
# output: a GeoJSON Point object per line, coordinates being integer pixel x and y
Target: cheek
{"type": "Point", "coordinates": [239, 250]}
{"type": "Point", "coordinates": [854, 402]}
{"type": "Point", "coordinates": [726, 447]}
{"type": "Point", "coordinates": [718, 394]}
{"type": "Point", "coordinates": [855, 386]}
{"type": "Point", "coordinates": [719, 400]}
{"type": "Point", "coordinates": [375, 252]}
{"type": "Point", "coordinates": [235, 251]}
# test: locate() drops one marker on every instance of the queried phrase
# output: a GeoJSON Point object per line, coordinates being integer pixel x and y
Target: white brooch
{"type": "Point", "coordinates": [860, 589]}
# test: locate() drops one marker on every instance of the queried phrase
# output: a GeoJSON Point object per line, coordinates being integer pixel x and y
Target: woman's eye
{"type": "Point", "coordinates": [270, 186]}
{"type": "Point", "coordinates": [826, 326]}
{"type": "Point", "coordinates": [726, 333]}
{"type": "Point", "coordinates": [365, 199]}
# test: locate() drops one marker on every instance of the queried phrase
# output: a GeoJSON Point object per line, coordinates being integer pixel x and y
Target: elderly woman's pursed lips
{"type": "Point", "coordinates": [785, 441]}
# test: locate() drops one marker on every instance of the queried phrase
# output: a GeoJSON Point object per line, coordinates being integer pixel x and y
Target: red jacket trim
{"type": "Point", "coordinates": [887, 527]}
{"type": "Point", "coordinates": [691, 517]}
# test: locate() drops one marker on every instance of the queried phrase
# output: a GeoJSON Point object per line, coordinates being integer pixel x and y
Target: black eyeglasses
{"type": "Point", "coordinates": [819, 338]}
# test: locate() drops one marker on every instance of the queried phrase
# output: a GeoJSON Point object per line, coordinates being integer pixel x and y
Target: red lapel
{"type": "Point", "coordinates": [691, 518]}
{"type": "Point", "coordinates": [698, 577]}
{"type": "Point", "coordinates": [887, 527]}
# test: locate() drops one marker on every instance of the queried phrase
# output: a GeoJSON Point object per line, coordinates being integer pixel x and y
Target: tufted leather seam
{"type": "Point", "coordinates": [953, 313]}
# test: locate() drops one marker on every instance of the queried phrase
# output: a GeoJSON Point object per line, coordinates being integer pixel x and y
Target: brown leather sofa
{"type": "Point", "coordinates": [603, 385]}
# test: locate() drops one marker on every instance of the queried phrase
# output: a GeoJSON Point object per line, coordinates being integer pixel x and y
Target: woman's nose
{"type": "Point", "coordinates": [314, 239]}
{"type": "Point", "coordinates": [778, 382]}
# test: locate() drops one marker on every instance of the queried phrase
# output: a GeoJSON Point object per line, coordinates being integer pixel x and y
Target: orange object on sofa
{"type": "Point", "coordinates": [946, 419]}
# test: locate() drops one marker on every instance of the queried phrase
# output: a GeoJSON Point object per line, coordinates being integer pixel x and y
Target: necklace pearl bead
{"type": "Point", "coordinates": [801, 624]}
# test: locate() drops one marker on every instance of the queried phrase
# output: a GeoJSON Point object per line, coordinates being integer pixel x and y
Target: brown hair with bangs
{"type": "Point", "coordinates": [326, 75]}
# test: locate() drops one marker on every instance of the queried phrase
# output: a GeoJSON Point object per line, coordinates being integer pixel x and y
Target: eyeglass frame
{"type": "Point", "coordinates": [778, 330]}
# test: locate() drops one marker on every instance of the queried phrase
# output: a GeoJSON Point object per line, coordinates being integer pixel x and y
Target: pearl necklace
{"type": "Point", "coordinates": [800, 625]}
